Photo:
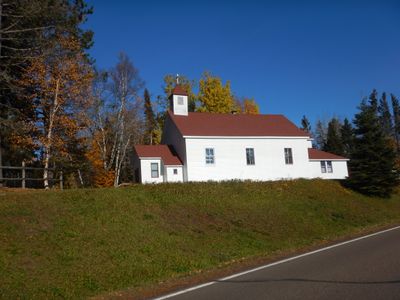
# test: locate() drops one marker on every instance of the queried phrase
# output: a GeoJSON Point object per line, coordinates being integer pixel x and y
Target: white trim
{"type": "Point", "coordinates": [333, 159]}
{"type": "Point", "coordinates": [273, 264]}
{"type": "Point", "coordinates": [169, 166]}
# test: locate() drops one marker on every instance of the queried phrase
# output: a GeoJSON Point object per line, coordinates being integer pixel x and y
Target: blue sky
{"type": "Point", "coordinates": [317, 58]}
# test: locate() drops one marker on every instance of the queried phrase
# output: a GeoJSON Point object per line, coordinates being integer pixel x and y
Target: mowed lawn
{"type": "Point", "coordinates": [81, 243]}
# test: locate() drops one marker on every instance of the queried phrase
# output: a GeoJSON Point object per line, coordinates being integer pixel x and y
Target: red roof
{"type": "Point", "coordinates": [179, 90]}
{"type": "Point", "coordinates": [165, 152]}
{"type": "Point", "coordinates": [209, 124]}
{"type": "Point", "coordinates": [322, 155]}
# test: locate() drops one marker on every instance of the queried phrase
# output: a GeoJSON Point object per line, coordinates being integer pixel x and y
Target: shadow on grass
{"type": "Point", "coordinates": [383, 191]}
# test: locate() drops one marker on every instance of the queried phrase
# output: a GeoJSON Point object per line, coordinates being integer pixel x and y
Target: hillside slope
{"type": "Point", "coordinates": [80, 243]}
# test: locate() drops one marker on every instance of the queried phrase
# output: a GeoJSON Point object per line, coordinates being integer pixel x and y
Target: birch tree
{"type": "Point", "coordinates": [116, 118]}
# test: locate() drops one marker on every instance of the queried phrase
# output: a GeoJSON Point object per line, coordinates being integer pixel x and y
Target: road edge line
{"type": "Point", "coordinates": [196, 287]}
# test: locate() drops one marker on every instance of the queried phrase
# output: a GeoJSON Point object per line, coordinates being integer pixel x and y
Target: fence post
{"type": "Point", "coordinates": [61, 181]}
{"type": "Point", "coordinates": [23, 174]}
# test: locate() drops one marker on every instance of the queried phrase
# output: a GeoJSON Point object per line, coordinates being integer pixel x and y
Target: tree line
{"type": "Point", "coordinates": [57, 109]}
{"type": "Point", "coordinates": [371, 142]}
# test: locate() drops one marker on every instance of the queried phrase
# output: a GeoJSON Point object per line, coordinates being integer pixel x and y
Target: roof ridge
{"type": "Point", "coordinates": [236, 114]}
{"type": "Point", "coordinates": [218, 124]}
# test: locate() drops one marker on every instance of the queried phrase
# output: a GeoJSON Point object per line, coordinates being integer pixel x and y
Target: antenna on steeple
{"type": "Point", "coordinates": [177, 79]}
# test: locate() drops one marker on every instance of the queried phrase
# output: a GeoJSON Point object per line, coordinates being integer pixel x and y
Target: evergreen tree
{"type": "Point", "coordinates": [347, 135]}
{"type": "Point", "coordinates": [320, 134]}
{"type": "Point", "coordinates": [333, 139]}
{"type": "Point", "coordinates": [373, 101]}
{"type": "Point", "coordinates": [150, 121]}
{"type": "Point", "coordinates": [305, 124]}
{"type": "Point", "coordinates": [385, 116]}
{"type": "Point", "coordinates": [396, 120]}
{"type": "Point", "coordinates": [372, 165]}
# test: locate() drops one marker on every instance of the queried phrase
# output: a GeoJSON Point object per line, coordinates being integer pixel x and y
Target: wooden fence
{"type": "Point", "coordinates": [24, 179]}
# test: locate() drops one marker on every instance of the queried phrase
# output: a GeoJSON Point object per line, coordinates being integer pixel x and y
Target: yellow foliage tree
{"type": "Point", "coordinates": [214, 96]}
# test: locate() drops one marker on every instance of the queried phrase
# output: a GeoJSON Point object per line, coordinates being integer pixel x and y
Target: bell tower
{"type": "Point", "coordinates": [179, 100]}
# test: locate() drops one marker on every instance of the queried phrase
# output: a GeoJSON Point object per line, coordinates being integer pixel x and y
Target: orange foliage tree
{"type": "Point", "coordinates": [247, 106]}
{"type": "Point", "coordinates": [59, 81]}
{"type": "Point", "coordinates": [101, 176]}
{"type": "Point", "coordinates": [250, 106]}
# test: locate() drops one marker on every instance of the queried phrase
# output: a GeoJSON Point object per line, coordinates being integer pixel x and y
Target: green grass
{"type": "Point", "coordinates": [81, 243]}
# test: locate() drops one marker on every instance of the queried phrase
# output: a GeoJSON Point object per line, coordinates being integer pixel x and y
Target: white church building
{"type": "Point", "coordinates": [198, 146]}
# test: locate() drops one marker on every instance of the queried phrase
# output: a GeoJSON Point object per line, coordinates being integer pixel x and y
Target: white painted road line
{"type": "Point", "coordinates": [273, 264]}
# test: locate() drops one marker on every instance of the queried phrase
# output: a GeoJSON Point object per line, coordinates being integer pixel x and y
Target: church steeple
{"type": "Point", "coordinates": [179, 100]}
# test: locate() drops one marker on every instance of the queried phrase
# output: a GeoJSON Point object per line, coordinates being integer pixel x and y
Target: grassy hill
{"type": "Point", "coordinates": [80, 243]}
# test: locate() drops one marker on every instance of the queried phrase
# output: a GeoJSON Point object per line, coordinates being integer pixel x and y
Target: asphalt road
{"type": "Point", "coordinates": [364, 269]}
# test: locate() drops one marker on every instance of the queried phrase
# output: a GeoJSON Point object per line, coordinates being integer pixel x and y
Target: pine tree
{"type": "Point", "coordinates": [373, 101]}
{"type": "Point", "coordinates": [150, 121]}
{"type": "Point", "coordinates": [385, 116]}
{"type": "Point", "coordinates": [320, 134]}
{"type": "Point", "coordinates": [333, 139]}
{"type": "Point", "coordinates": [347, 135]}
{"type": "Point", "coordinates": [372, 165]}
{"type": "Point", "coordinates": [396, 120]}
{"type": "Point", "coordinates": [305, 124]}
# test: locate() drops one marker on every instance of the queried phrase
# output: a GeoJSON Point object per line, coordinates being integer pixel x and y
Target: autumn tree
{"type": "Point", "coordinates": [249, 106]}
{"type": "Point", "coordinates": [29, 28]}
{"type": "Point", "coordinates": [59, 82]}
{"type": "Point", "coordinates": [214, 96]}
